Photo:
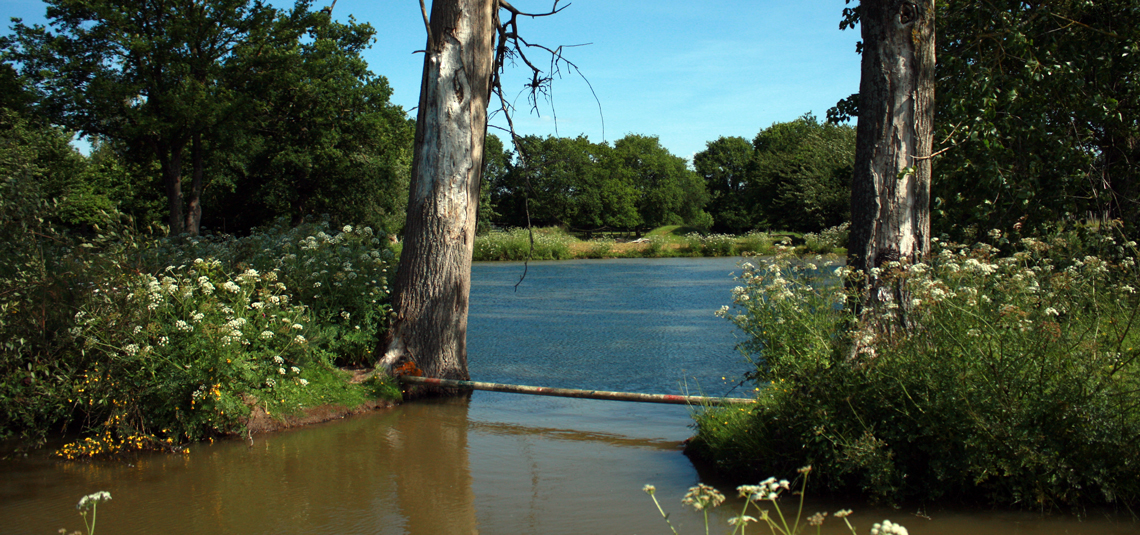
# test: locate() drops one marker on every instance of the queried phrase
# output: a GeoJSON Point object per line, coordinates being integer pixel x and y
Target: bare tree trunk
{"type": "Point", "coordinates": [432, 284]}
{"type": "Point", "coordinates": [170, 161]}
{"type": "Point", "coordinates": [890, 189]}
{"type": "Point", "coordinates": [194, 206]}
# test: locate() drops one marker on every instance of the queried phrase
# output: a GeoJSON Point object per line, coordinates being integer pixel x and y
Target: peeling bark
{"type": "Point", "coordinates": [890, 191]}
{"type": "Point", "coordinates": [433, 281]}
{"type": "Point", "coordinates": [890, 188]}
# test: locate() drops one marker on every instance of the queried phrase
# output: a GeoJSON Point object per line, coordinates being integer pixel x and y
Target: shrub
{"type": "Point", "coordinates": [718, 245]}
{"type": "Point", "coordinates": [757, 243]}
{"type": "Point", "coordinates": [549, 244]}
{"type": "Point", "coordinates": [1016, 382]}
{"type": "Point", "coordinates": [179, 358]}
{"type": "Point", "coordinates": [149, 345]}
{"type": "Point", "coordinates": [829, 240]}
{"type": "Point", "coordinates": [341, 276]}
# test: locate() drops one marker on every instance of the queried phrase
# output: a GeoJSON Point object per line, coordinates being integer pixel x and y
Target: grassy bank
{"type": "Point", "coordinates": [551, 243]}
{"type": "Point", "coordinates": [142, 342]}
{"type": "Point", "coordinates": [1012, 379]}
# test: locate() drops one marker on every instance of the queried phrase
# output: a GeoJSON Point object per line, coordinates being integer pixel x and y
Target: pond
{"type": "Point", "coordinates": [497, 463]}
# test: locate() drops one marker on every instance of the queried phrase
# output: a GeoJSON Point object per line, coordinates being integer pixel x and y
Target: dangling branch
{"type": "Point", "coordinates": [511, 47]}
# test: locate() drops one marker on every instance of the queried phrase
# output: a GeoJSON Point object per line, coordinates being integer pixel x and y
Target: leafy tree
{"type": "Point", "coordinates": [496, 169]}
{"type": "Point", "coordinates": [570, 182]}
{"type": "Point", "coordinates": [668, 192]}
{"type": "Point", "coordinates": [724, 165]}
{"type": "Point", "coordinates": [1037, 114]}
{"type": "Point", "coordinates": [318, 136]}
{"type": "Point", "coordinates": [1040, 106]}
{"type": "Point", "coordinates": [155, 75]}
{"type": "Point", "coordinates": [800, 176]}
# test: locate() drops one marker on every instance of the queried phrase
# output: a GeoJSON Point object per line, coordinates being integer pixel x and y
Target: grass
{"type": "Point", "coordinates": [552, 243]}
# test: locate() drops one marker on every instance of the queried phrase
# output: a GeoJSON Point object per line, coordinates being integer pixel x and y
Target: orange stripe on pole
{"type": "Point", "coordinates": [574, 392]}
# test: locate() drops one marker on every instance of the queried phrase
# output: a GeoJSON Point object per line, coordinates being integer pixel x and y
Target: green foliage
{"type": "Point", "coordinates": [146, 344]}
{"type": "Point", "coordinates": [801, 174]}
{"type": "Point", "coordinates": [828, 240]}
{"type": "Point", "coordinates": [1040, 105]}
{"type": "Point", "coordinates": [496, 165]}
{"type": "Point", "coordinates": [246, 113]}
{"type": "Point", "coordinates": [668, 192]}
{"type": "Point", "coordinates": [340, 275]}
{"type": "Point", "coordinates": [173, 355]}
{"type": "Point", "coordinates": [1016, 381]}
{"type": "Point", "coordinates": [1037, 115]}
{"type": "Point", "coordinates": [794, 176]}
{"type": "Point", "coordinates": [566, 181]}
{"type": "Point", "coordinates": [574, 183]}
{"type": "Point", "coordinates": [319, 136]}
{"type": "Point", "coordinates": [549, 244]}
{"type": "Point", "coordinates": [724, 166]}
{"type": "Point", "coordinates": [43, 275]}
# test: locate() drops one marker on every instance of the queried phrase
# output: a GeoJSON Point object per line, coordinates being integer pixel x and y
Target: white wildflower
{"type": "Point", "coordinates": [281, 371]}
{"type": "Point", "coordinates": [92, 500]}
{"type": "Point", "coordinates": [888, 528]}
{"type": "Point", "coordinates": [1050, 311]}
{"type": "Point", "coordinates": [265, 335]}
{"type": "Point", "coordinates": [299, 339]}
{"type": "Point", "coordinates": [229, 286]}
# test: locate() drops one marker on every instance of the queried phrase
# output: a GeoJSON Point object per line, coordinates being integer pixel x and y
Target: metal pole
{"type": "Point", "coordinates": [574, 392]}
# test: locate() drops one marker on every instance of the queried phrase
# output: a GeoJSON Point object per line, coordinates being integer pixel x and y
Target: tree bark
{"type": "Point", "coordinates": [194, 205]}
{"type": "Point", "coordinates": [890, 190]}
{"type": "Point", "coordinates": [433, 281]}
{"type": "Point", "coordinates": [170, 161]}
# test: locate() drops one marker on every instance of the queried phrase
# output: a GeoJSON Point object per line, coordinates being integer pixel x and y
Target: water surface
{"type": "Point", "coordinates": [497, 463]}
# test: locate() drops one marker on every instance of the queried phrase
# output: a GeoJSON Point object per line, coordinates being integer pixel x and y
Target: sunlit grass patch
{"type": "Point", "coordinates": [549, 243]}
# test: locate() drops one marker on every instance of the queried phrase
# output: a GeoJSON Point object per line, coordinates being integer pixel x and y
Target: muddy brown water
{"type": "Point", "coordinates": [497, 463]}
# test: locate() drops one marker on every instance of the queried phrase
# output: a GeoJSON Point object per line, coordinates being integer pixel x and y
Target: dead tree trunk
{"type": "Point", "coordinates": [430, 292]}
{"type": "Point", "coordinates": [890, 189]}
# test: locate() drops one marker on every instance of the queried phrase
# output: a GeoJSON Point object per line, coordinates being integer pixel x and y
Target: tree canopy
{"type": "Point", "coordinates": [794, 175]}
{"type": "Point", "coordinates": [1038, 114]}
{"type": "Point", "coordinates": [233, 102]}
{"type": "Point", "coordinates": [573, 182]}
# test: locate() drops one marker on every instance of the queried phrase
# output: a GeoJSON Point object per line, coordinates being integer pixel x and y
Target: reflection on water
{"type": "Point", "coordinates": [497, 463]}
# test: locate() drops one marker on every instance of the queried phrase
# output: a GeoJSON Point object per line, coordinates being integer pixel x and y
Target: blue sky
{"type": "Point", "coordinates": [687, 72]}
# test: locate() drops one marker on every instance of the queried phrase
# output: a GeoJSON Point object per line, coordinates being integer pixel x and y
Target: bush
{"type": "Point", "coordinates": [549, 244]}
{"type": "Point", "coordinates": [181, 357]}
{"type": "Point", "coordinates": [341, 277]}
{"type": "Point", "coordinates": [153, 343]}
{"type": "Point", "coordinates": [829, 240]}
{"type": "Point", "coordinates": [1015, 380]}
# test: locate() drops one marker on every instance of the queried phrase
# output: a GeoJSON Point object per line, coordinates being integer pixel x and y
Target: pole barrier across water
{"type": "Point", "coordinates": [574, 392]}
